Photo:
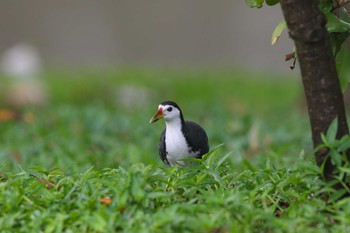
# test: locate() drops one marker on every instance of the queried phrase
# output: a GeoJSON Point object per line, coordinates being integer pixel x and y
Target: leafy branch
{"type": "Point", "coordinates": [339, 4]}
{"type": "Point", "coordinates": [338, 26]}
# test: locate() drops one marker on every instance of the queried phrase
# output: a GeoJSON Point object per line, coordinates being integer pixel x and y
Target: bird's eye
{"type": "Point", "coordinates": [170, 109]}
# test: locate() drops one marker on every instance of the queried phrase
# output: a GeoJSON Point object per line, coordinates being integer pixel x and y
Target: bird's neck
{"type": "Point", "coordinates": [174, 124]}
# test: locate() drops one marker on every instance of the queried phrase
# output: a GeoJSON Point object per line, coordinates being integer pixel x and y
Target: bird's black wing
{"type": "Point", "coordinates": [162, 148]}
{"type": "Point", "coordinates": [196, 138]}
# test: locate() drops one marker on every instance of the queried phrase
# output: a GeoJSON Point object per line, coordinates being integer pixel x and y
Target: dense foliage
{"type": "Point", "coordinates": [85, 163]}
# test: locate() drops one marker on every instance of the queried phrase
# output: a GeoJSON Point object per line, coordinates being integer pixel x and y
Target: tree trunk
{"type": "Point", "coordinates": [306, 25]}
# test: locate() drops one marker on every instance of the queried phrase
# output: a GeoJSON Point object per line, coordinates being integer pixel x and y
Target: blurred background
{"type": "Point", "coordinates": [81, 79]}
{"type": "Point", "coordinates": [157, 33]}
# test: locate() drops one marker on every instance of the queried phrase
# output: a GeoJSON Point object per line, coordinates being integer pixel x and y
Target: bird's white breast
{"type": "Point", "coordinates": [176, 145]}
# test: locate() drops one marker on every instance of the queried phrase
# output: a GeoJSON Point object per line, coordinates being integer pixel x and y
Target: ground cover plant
{"type": "Point", "coordinates": [88, 162]}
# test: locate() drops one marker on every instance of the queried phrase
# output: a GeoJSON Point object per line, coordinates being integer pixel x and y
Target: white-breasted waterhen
{"type": "Point", "coordinates": [180, 139]}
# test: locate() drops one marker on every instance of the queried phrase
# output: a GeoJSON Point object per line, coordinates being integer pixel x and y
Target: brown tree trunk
{"type": "Point", "coordinates": [306, 25]}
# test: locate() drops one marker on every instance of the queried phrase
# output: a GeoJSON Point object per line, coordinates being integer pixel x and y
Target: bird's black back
{"type": "Point", "coordinates": [196, 138]}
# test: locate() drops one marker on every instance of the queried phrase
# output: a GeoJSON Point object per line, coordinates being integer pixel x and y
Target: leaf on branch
{"type": "Point", "coordinates": [343, 14]}
{"type": "Point", "coordinates": [336, 158]}
{"type": "Point", "coordinates": [291, 56]}
{"type": "Point", "coordinates": [272, 2]}
{"type": "Point", "coordinates": [255, 3]}
{"type": "Point", "coordinates": [326, 5]}
{"type": "Point", "coordinates": [339, 28]}
{"type": "Point", "coordinates": [337, 39]}
{"type": "Point", "coordinates": [339, 4]}
{"type": "Point", "coordinates": [278, 31]}
{"type": "Point", "coordinates": [259, 3]}
{"type": "Point", "coordinates": [332, 131]}
{"type": "Point", "coordinates": [343, 66]}
{"type": "Point", "coordinates": [335, 24]}
{"type": "Point", "coordinates": [344, 143]}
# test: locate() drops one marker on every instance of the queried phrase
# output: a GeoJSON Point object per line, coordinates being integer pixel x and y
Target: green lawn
{"type": "Point", "coordinates": [92, 142]}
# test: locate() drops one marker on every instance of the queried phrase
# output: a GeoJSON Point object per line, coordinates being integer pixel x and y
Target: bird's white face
{"type": "Point", "coordinates": [170, 112]}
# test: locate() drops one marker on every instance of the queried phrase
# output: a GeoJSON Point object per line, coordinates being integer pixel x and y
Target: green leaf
{"type": "Point", "coordinates": [311, 167]}
{"type": "Point", "coordinates": [326, 6]}
{"type": "Point", "coordinates": [272, 2]}
{"type": "Point", "coordinates": [344, 169]}
{"type": "Point", "coordinates": [343, 15]}
{"type": "Point", "coordinates": [254, 3]}
{"type": "Point", "coordinates": [334, 24]}
{"type": "Point", "coordinates": [136, 186]}
{"type": "Point", "coordinates": [278, 31]}
{"type": "Point", "coordinates": [343, 66]}
{"type": "Point", "coordinates": [337, 40]}
{"type": "Point", "coordinates": [39, 169]}
{"type": "Point", "coordinates": [223, 159]}
{"type": "Point", "coordinates": [336, 158]}
{"type": "Point", "coordinates": [217, 147]}
{"type": "Point", "coordinates": [332, 131]}
{"type": "Point", "coordinates": [336, 195]}
{"type": "Point", "coordinates": [247, 164]}
{"type": "Point", "coordinates": [324, 140]}
{"type": "Point", "coordinates": [344, 143]}
{"type": "Point", "coordinates": [158, 195]}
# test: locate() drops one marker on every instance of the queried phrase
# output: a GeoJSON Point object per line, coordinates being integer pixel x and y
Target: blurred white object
{"type": "Point", "coordinates": [21, 61]}
{"type": "Point", "coordinates": [27, 93]}
{"type": "Point", "coordinates": [130, 96]}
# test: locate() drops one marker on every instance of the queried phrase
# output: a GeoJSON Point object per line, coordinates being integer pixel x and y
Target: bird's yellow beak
{"type": "Point", "coordinates": [158, 116]}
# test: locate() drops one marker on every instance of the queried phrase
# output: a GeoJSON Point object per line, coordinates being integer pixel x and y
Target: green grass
{"type": "Point", "coordinates": [85, 146]}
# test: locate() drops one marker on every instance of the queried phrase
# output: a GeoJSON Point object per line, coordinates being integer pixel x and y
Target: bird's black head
{"type": "Point", "coordinates": [168, 110]}
{"type": "Point", "coordinates": [170, 103]}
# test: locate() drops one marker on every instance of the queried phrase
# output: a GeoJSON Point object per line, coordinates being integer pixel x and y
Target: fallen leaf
{"type": "Point", "coordinates": [7, 115]}
{"type": "Point", "coordinates": [48, 184]}
{"type": "Point", "coordinates": [106, 200]}
{"type": "Point", "coordinates": [282, 207]}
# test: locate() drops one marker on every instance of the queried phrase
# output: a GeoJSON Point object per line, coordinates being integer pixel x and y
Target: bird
{"type": "Point", "coordinates": [180, 139]}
